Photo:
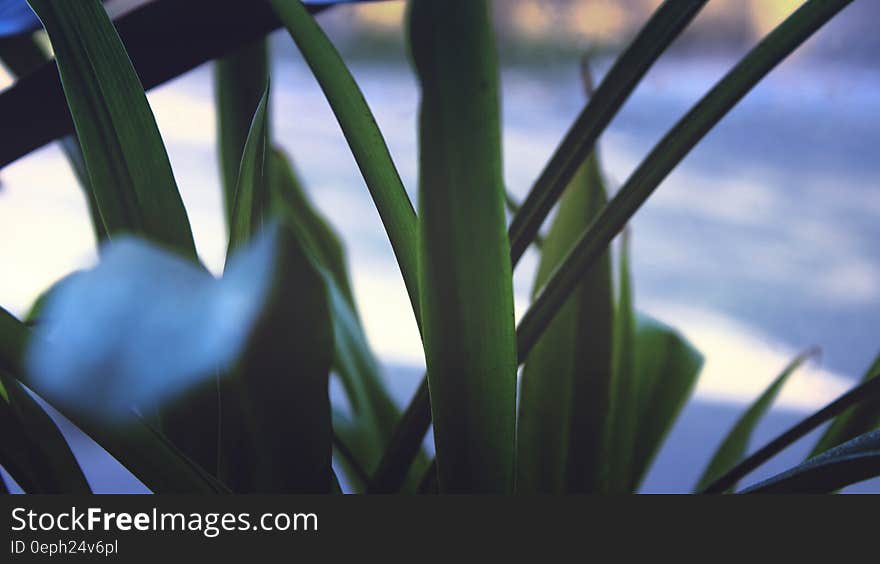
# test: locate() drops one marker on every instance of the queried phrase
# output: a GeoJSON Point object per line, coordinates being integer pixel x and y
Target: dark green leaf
{"type": "Point", "coordinates": [854, 421]}
{"type": "Point", "coordinates": [240, 80]}
{"type": "Point", "coordinates": [736, 443]}
{"type": "Point", "coordinates": [373, 410]}
{"type": "Point", "coordinates": [665, 25]}
{"type": "Point", "coordinates": [566, 382]}
{"type": "Point", "coordinates": [866, 391]}
{"type": "Point", "coordinates": [854, 461]}
{"type": "Point", "coordinates": [251, 206]}
{"type": "Point", "coordinates": [281, 381]}
{"type": "Point", "coordinates": [129, 169]}
{"type": "Point", "coordinates": [32, 448]}
{"type": "Point", "coordinates": [674, 146]}
{"type": "Point", "coordinates": [465, 273]}
{"type": "Point", "coordinates": [363, 136]}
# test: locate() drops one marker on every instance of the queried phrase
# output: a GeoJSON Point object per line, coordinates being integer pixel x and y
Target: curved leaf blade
{"type": "Point", "coordinates": [854, 461]}
{"type": "Point", "coordinates": [736, 443]}
{"type": "Point", "coordinates": [667, 22]}
{"type": "Point", "coordinates": [240, 80]}
{"type": "Point", "coordinates": [33, 450]}
{"type": "Point", "coordinates": [129, 169]}
{"type": "Point", "coordinates": [363, 136]}
{"type": "Point", "coordinates": [668, 153]}
{"type": "Point", "coordinates": [854, 421]}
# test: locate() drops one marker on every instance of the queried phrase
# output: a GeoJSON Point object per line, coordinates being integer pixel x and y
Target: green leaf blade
{"type": "Point", "coordinates": [736, 443]}
{"type": "Point", "coordinates": [129, 169]}
{"type": "Point", "coordinates": [854, 421]}
{"type": "Point", "coordinates": [465, 272]}
{"type": "Point", "coordinates": [363, 136]}
{"type": "Point", "coordinates": [854, 461]}
{"type": "Point", "coordinates": [566, 381]}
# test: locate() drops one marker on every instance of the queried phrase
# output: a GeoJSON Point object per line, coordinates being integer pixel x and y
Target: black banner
{"type": "Point", "coordinates": [273, 528]}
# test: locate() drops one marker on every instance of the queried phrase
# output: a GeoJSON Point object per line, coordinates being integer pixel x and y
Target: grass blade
{"type": "Point", "coordinates": [668, 21]}
{"type": "Point", "coordinates": [251, 206]}
{"type": "Point", "coordinates": [566, 382]}
{"type": "Point", "coordinates": [240, 80]}
{"type": "Point", "coordinates": [127, 163]}
{"type": "Point", "coordinates": [33, 450]}
{"type": "Point", "coordinates": [363, 136]}
{"type": "Point", "coordinates": [465, 273]}
{"type": "Point", "coordinates": [674, 146]}
{"type": "Point", "coordinates": [854, 461]}
{"type": "Point", "coordinates": [866, 391]}
{"type": "Point", "coordinates": [736, 443]}
{"type": "Point", "coordinates": [854, 421]}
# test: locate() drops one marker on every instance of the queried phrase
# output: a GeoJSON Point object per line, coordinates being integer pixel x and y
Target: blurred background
{"type": "Point", "coordinates": [760, 244]}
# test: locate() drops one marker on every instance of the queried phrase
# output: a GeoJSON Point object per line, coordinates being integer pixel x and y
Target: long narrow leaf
{"type": "Point", "coordinates": [464, 264]}
{"type": "Point", "coordinates": [866, 391]}
{"type": "Point", "coordinates": [854, 461]}
{"type": "Point", "coordinates": [566, 382]}
{"type": "Point", "coordinates": [32, 448]}
{"type": "Point", "coordinates": [363, 136]}
{"type": "Point", "coordinates": [239, 83]}
{"type": "Point", "coordinates": [129, 169]}
{"type": "Point", "coordinates": [854, 421]}
{"type": "Point", "coordinates": [674, 146]}
{"type": "Point", "coordinates": [668, 21]}
{"type": "Point", "coordinates": [250, 209]}
{"type": "Point", "coordinates": [734, 446]}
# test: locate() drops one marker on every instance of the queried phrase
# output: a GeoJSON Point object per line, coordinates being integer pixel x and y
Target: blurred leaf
{"type": "Point", "coordinates": [363, 136]}
{"type": "Point", "coordinates": [674, 146]}
{"type": "Point", "coordinates": [145, 325]}
{"type": "Point", "coordinates": [566, 382]}
{"type": "Point", "coordinates": [32, 448]}
{"type": "Point", "coordinates": [129, 170]}
{"type": "Point", "coordinates": [734, 446]}
{"type": "Point", "coordinates": [668, 367]}
{"type": "Point", "coordinates": [854, 421]}
{"type": "Point", "coordinates": [143, 451]}
{"type": "Point", "coordinates": [250, 209]}
{"type": "Point", "coordinates": [465, 273]}
{"type": "Point", "coordinates": [240, 80]}
{"type": "Point", "coordinates": [854, 461]}
{"type": "Point", "coordinates": [866, 391]}
{"type": "Point", "coordinates": [282, 380]}
{"type": "Point", "coordinates": [667, 22]}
